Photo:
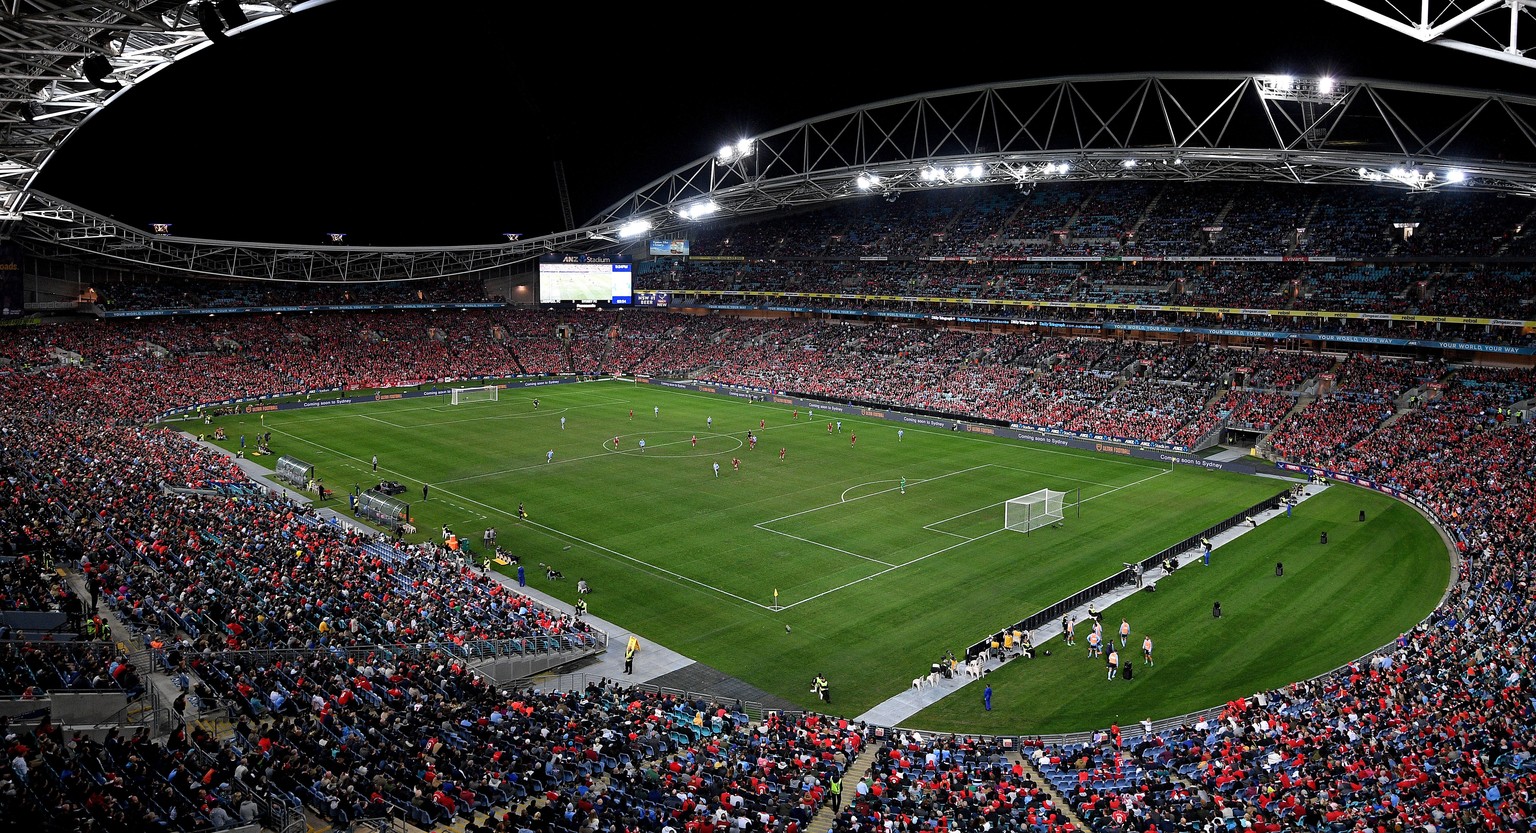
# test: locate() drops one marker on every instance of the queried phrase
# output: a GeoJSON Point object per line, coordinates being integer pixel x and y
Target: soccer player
{"type": "Point", "coordinates": [797, 414]}
{"type": "Point", "coordinates": [1125, 632]}
{"type": "Point", "coordinates": [735, 464]}
{"type": "Point", "coordinates": [829, 428]}
{"type": "Point", "coordinates": [375, 462]}
{"type": "Point", "coordinates": [839, 426]}
{"type": "Point", "coordinates": [657, 411]}
{"type": "Point", "coordinates": [615, 443]}
{"type": "Point", "coordinates": [642, 446]}
{"type": "Point", "coordinates": [1094, 641]}
{"type": "Point", "coordinates": [1070, 630]}
{"type": "Point", "coordinates": [535, 404]}
{"type": "Point", "coordinates": [694, 440]}
{"type": "Point", "coordinates": [762, 424]}
{"type": "Point", "coordinates": [709, 422]}
{"type": "Point", "coordinates": [903, 485]}
{"type": "Point", "coordinates": [1113, 662]}
{"type": "Point", "coordinates": [782, 449]}
{"type": "Point", "coordinates": [900, 432]}
{"type": "Point", "coordinates": [562, 423]}
{"type": "Point", "coordinates": [1146, 650]}
{"type": "Point", "coordinates": [751, 442]}
{"type": "Point", "coordinates": [522, 513]}
{"type": "Point", "coordinates": [717, 469]}
{"type": "Point", "coordinates": [853, 440]}
{"type": "Point", "coordinates": [631, 414]}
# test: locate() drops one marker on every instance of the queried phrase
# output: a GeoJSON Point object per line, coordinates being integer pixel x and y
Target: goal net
{"type": "Point", "coordinates": [486, 393]}
{"type": "Point", "coordinates": [1033, 510]}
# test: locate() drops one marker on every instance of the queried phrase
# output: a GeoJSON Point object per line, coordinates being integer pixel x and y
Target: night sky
{"type": "Point", "coordinates": [408, 124]}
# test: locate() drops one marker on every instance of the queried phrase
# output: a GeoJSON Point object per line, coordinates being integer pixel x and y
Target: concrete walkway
{"type": "Point", "coordinates": [897, 709]}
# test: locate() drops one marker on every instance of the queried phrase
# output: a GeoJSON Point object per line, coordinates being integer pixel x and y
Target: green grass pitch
{"type": "Point", "coordinates": [878, 583]}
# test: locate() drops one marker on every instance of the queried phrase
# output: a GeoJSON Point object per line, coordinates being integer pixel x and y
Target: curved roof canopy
{"type": "Point", "coordinates": [59, 64]}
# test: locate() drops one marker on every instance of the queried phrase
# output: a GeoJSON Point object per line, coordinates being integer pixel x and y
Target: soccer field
{"type": "Point", "coordinates": [877, 582]}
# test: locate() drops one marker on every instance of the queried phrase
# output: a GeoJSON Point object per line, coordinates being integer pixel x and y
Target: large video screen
{"type": "Point", "coordinates": [585, 278]}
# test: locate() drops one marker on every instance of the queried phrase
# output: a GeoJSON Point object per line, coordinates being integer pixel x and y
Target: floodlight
{"type": "Point", "coordinates": [96, 69]}
{"type": "Point", "coordinates": [233, 14]}
{"type": "Point", "coordinates": [209, 21]}
{"type": "Point", "coordinates": [699, 210]}
{"type": "Point", "coordinates": [635, 228]}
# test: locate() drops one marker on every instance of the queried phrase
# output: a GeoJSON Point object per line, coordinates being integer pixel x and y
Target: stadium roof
{"type": "Point", "coordinates": [62, 64]}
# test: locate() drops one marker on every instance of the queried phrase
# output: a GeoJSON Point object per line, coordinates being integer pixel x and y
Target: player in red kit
{"type": "Point", "coordinates": [761, 424]}
{"type": "Point", "coordinates": [736, 463]}
{"type": "Point", "coordinates": [829, 428]}
{"type": "Point", "coordinates": [852, 439]}
{"type": "Point", "coordinates": [695, 440]}
{"type": "Point", "coordinates": [615, 443]}
{"type": "Point", "coordinates": [782, 449]}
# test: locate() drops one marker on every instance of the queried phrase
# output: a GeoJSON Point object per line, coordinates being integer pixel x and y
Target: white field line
{"type": "Point", "coordinates": [893, 568]}
{"type": "Point", "coordinates": [559, 460]}
{"type": "Point", "coordinates": [845, 499]}
{"type": "Point", "coordinates": [680, 578]}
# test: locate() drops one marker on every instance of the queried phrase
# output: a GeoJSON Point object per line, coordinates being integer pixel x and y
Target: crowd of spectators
{"type": "Point", "coordinates": [351, 685]}
{"type": "Point", "coordinates": [146, 292]}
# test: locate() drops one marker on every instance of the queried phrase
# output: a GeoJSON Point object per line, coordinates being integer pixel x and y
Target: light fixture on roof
{"type": "Point", "coordinates": [96, 68]}
{"type": "Point", "coordinates": [867, 181]}
{"type": "Point", "coordinates": [160, 228]}
{"type": "Point", "coordinates": [512, 236]}
{"type": "Point", "coordinates": [699, 210]}
{"type": "Point", "coordinates": [741, 150]}
{"type": "Point", "coordinates": [634, 228]}
{"type": "Point", "coordinates": [1321, 90]}
{"type": "Point", "coordinates": [337, 236]}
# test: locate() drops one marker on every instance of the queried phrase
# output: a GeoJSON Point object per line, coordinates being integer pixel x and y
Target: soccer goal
{"type": "Point", "coordinates": [1033, 510]}
{"type": "Point", "coordinates": [485, 393]}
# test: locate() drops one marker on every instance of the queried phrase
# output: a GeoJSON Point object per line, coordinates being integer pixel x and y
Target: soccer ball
{"type": "Point", "coordinates": [1047, 651]}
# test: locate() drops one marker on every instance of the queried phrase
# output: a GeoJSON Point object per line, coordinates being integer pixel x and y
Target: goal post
{"type": "Point", "coordinates": [1034, 510]}
{"type": "Point", "coordinates": [484, 393]}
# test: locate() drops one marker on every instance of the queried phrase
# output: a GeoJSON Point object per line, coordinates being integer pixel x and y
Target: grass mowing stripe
{"type": "Point", "coordinates": [676, 555]}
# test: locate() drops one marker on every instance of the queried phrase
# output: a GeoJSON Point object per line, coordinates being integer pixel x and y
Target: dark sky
{"type": "Point", "coordinates": [441, 123]}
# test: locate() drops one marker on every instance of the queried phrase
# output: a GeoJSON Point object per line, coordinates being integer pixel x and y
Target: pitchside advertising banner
{"type": "Point", "coordinates": [10, 281]}
{"type": "Point", "coordinates": [255, 404]}
{"type": "Point", "coordinates": [1140, 450]}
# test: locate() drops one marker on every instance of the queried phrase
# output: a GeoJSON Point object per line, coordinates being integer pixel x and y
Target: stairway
{"type": "Point", "coordinates": [822, 821]}
{"type": "Point", "coordinates": [1058, 800]}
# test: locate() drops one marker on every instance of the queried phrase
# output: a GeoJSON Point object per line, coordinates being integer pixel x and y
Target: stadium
{"type": "Point", "coordinates": [1115, 452]}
